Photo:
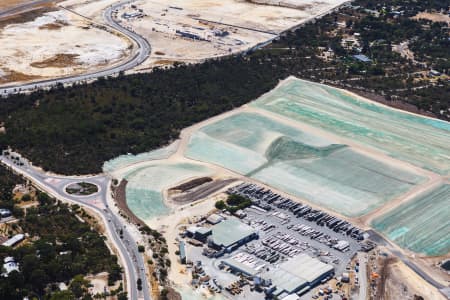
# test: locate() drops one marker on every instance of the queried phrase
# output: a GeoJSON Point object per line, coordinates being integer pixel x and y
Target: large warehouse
{"type": "Point", "coordinates": [231, 234]}
{"type": "Point", "coordinates": [298, 275]}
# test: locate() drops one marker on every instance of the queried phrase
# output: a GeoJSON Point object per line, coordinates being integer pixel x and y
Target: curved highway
{"type": "Point", "coordinates": [144, 50]}
{"type": "Point", "coordinates": [55, 185]}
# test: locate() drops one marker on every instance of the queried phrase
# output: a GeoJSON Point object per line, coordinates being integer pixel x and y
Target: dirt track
{"type": "Point", "coordinates": [121, 200]}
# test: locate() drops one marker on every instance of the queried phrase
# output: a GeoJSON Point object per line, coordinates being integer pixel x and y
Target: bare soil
{"type": "Point", "coordinates": [394, 103]}
{"type": "Point", "coordinates": [6, 4]}
{"type": "Point", "coordinates": [432, 16]}
{"type": "Point", "coordinates": [25, 16]}
{"type": "Point", "coordinates": [13, 76]}
{"type": "Point", "coordinates": [53, 26]}
{"type": "Point", "coordinates": [121, 200]}
{"type": "Point", "coordinates": [57, 61]}
{"type": "Point", "coordinates": [191, 184]}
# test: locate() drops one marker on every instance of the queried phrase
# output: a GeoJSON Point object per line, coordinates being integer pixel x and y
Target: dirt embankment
{"type": "Point", "coordinates": [202, 191]}
{"type": "Point", "coordinates": [393, 103]}
{"type": "Point", "coordinates": [119, 195]}
{"type": "Point", "coordinates": [58, 61]}
{"type": "Point", "coordinates": [191, 184]}
{"type": "Point", "coordinates": [287, 3]}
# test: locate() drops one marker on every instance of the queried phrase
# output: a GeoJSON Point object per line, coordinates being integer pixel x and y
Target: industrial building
{"type": "Point", "coordinates": [231, 234]}
{"type": "Point", "coordinates": [239, 267]}
{"type": "Point", "coordinates": [214, 219]}
{"type": "Point", "coordinates": [298, 275]}
{"type": "Point", "coordinates": [198, 233]}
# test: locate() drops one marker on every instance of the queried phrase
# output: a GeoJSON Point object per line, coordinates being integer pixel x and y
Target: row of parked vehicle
{"type": "Point", "coordinates": [266, 199]}
{"type": "Point", "coordinates": [314, 234]}
{"type": "Point", "coordinates": [264, 253]}
{"type": "Point", "coordinates": [283, 247]}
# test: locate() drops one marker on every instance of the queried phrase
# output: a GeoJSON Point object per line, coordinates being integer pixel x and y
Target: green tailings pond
{"type": "Point", "coordinates": [145, 186]}
{"type": "Point", "coordinates": [308, 166]}
{"type": "Point", "coordinates": [129, 159]}
{"type": "Point", "coordinates": [422, 224]}
{"type": "Point", "coordinates": [421, 141]}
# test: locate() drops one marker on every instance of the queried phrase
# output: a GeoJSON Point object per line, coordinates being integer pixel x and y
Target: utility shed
{"type": "Point", "coordinates": [298, 274]}
{"type": "Point", "coordinates": [231, 234]}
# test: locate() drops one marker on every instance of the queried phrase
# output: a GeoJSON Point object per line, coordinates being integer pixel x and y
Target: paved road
{"type": "Point", "coordinates": [23, 7]}
{"type": "Point", "coordinates": [363, 281]}
{"type": "Point", "coordinates": [143, 52]}
{"type": "Point", "coordinates": [55, 185]}
{"type": "Point", "coordinates": [379, 239]}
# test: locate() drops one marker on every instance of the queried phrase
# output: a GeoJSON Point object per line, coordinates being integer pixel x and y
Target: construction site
{"type": "Point", "coordinates": [191, 31]}
{"type": "Point", "coordinates": [51, 41]}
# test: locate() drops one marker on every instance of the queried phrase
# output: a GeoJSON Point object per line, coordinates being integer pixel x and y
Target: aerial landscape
{"type": "Point", "coordinates": [234, 149]}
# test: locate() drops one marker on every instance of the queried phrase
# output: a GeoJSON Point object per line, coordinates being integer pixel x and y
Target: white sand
{"type": "Point", "coordinates": [27, 43]}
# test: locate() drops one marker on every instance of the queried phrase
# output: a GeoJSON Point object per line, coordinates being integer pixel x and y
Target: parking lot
{"type": "Point", "coordinates": [283, 238]}
{"type": "Point", "coordinates": [286, 229]}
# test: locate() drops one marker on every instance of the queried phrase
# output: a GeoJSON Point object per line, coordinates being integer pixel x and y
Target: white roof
{"type": "Point", "coordinates": [10, 265]}
{"type": "Point", "coordinates": [214, 219]}
{"type": "Point", "coordinates": [15, 239]}
{"type": "Point", "coordinates": [341, 245]}
{"type": "Point", "coordinates": [297, 272]}
{"type": "Point", "coordinates": [230, 231]}
{"type": "Point", "coordinates": [62, 286]}
{"type": "Point", "coordinates": [291, 297]}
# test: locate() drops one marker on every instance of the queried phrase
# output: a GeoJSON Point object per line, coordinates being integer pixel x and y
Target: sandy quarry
{"type": "Point", "coordinates": [247, 24]}
{"type": "Point", "coordinates": [54, 44]}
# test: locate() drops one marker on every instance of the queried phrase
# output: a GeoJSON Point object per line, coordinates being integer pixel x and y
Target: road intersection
{"type": "Point", "coordinates": [117, 230]}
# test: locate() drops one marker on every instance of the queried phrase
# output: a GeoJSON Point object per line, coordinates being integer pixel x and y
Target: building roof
{"type": "Point", "coordinates": [14, 240]}
{"type": "Point", "coordinates": [362, 57]}
{"type": "Point", "coordinates": [229, 232]}
{"type": "Point", "coordinates": [10, 265]}
{"type": "Point", "coordinates": [297, 273]}
{"type": "Point", "coordinates": [182, 249]}
{"type": "Point", "coordinates": [341, 245]}
{"type": "Point", "coordinates": [203, 230]}
{"type": "Point", "coordinates": [291, 297]}
{"type": "Point", "coordinates": [199, 230]}
{"type": "Point", "coordinates": [214, 219]}
{"type": "Point", "coordinates": [286, 281]}
{"type": "Point", "coordinates": [240, 266]}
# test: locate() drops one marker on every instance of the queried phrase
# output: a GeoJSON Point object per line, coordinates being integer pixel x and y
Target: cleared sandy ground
{"type": "Point", "coordinates": [57, 43]}
{"type": "Point", "coordinates": [5, 4]}
{"type": "Point", "coordinates": [402, 281]}
{"type": "Point", "coordinates": [247, 25]}
{"type": "Point", "coordinates": [432, 16]}
{"type": "Point", "coordinates": [91, 9]}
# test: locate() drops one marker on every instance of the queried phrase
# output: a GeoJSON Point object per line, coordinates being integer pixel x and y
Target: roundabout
{"type": "Point", "coordinates": [81, 189]}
